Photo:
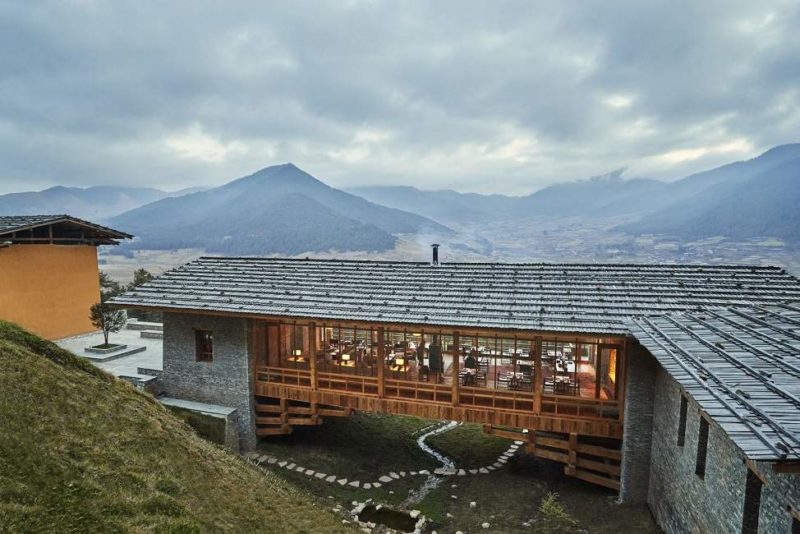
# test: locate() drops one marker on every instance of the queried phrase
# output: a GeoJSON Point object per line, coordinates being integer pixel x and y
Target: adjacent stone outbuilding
{"type": "Point", "coordinates": [724, 450]}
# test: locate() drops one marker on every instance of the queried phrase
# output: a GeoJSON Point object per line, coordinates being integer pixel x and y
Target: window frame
{"type": "Point", "coordinates": [682, 416]}
{"type": "Point", "coordinates": [203, 345]}
{"type": "Point", "coordinates": [752, 499]}
{"type": "Point", "coordinates": [701, 462]}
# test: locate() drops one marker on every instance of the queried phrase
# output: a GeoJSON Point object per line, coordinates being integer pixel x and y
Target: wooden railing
{"type": "Point", "coordinates": [468, 396]}
{"type": "Point", "coordinates": [568, 406]}
{"type": "Point", "coordinates": [411, 390]}
{"type": "Point", "coordinates": [495, 398]}
{"type": "Point", "coordinates": [364, 385]}
{"type": "Point", "coordinates": [286, 377]}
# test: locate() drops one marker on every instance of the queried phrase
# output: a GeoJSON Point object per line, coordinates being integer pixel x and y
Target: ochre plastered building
{"type": "Point", "coordinates": [48, 272]}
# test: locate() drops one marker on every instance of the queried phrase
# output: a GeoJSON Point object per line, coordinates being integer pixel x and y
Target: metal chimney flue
{"type": "Point", "coordinates": [435, 260]}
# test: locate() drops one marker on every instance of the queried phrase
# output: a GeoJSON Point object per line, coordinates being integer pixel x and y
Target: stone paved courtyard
{"type": "Point", "coordinates": [151, 358]}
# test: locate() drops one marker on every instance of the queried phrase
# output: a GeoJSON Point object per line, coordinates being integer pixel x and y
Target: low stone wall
{"type": "Point", "coordinates": [682, 501]}
{"type": "Point", "coordinates": [216, 428]}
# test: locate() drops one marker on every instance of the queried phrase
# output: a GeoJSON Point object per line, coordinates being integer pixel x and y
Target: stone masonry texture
{"type": "Point", "coordinates": [225, 381]}
{"type": "Point", "coordinates": [682, 501]}
{"type": "Point", "coordinates": [638, 425]}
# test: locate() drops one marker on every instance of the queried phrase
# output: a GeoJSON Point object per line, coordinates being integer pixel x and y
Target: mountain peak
{"type": "Point", "coordinates": [782, 152]}
{"type": "Point", "coordinates": [286, 173]}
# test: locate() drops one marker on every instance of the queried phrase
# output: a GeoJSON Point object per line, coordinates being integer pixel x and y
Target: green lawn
{"type": "Point", "coordinates": [469, 446]}
{"type": "Point", "coordinates": [81, 451]}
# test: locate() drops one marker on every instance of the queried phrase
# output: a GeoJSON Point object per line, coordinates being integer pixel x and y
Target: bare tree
{"type": "Point", "coordinates": [107, 319]}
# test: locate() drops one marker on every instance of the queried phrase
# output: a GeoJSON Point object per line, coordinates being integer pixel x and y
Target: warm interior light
{"type": "Point", "coordinates": [399, 361]}
{"type": "Point", "coordinates": [298, 352]}
{"type": "Point", "coordinates": [346, 357]}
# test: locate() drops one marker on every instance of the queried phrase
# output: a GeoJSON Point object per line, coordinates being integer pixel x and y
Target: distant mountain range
{"type": "Point", "coordinates": [279, 209]}
{"type": "Point", "coordinates": [94, 203]}
{"type": "Point", "coordinates": [284, 210]}
{"type": "Point", "coordinates": [596, 196]}
{"type": "Point", "coordinates": [746, 199]}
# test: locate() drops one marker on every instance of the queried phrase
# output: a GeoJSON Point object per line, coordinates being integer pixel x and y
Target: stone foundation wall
{"type": "Point", "coordinates": [225, 381]}
{"type": "Point", "coordinates": [682, 501]}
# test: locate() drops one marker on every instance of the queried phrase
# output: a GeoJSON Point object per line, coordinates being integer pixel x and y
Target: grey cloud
{"type": "Point", "coordinates": [503, 96]}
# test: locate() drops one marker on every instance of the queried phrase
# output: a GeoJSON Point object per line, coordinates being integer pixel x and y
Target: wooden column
{"type": "Point", "coordinates": [381, 361]}
{"type": "Point", "coordinates": [312, 355]}
{"type": "Point", "coordinates": [538, 379]}
{"type": "Point", "coordinates": [455, 367]}
{"type": "Point", "coordinates": [622, 368]}
{"type": "Point", "coordinates": [573, 454]}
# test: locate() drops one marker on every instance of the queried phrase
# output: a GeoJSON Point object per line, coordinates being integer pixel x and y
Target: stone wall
{"type": "Point", "coordinates": [226, 380]}
{"type": "Point", "coordinates": [682, 501]}
{"type": "Point", "coordinates": [220, 429]}
{"type": "Point", "coordinates": [640, 376]}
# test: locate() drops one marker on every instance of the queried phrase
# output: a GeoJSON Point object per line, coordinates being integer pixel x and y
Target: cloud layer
{"type": "Point", "coordinates": [485, 96]}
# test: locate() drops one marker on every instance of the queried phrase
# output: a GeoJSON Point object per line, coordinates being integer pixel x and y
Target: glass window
{"type": "Point", "coordinates": [203, 345]}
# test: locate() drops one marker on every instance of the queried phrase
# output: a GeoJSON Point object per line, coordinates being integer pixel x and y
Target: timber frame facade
{"type": "Point", "coordinates": [543, 353]}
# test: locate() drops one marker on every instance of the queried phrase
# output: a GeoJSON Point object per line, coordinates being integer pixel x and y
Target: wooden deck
{"type": "Point", "coordinates": [516, 409]}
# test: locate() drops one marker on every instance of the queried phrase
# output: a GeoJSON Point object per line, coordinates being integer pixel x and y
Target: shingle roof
{"type": "Point", "coordinates": [591, 298]}
{"type": "Point", "coordinates": [742, 366]}
{"type": "Point", "coordinates": [19, 223]}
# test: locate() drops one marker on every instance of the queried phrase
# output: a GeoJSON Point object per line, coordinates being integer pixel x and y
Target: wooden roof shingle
{"type": "Point", "coordinates": [741, 365]}
{"type": "Point", "coordinates": [574, 298]}
{"type": "Point", "coordinates": [9, 224]}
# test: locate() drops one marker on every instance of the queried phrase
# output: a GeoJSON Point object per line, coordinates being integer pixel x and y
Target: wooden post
{"type": "Point", "coordinates": [312, 355]}
{"type": "Point", "coordinates": [538, 379]}
{"type": "Point", "coordinates": [573, 453]}
{"type": "Point", "coordinates": [622, 367]}
{"type": "Point", "coordinates": [381, 361]}
{"type": "Point", "coordinates": [455, 368]}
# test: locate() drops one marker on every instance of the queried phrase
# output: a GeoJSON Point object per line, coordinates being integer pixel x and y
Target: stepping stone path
{"type": "Point", "coordinates": [501, 460]}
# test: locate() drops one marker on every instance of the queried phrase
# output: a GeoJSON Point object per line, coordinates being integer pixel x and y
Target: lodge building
{"type": "Point", "coordinates": [48, 272]}
{"type": "Point", "coordinates": [674, 385]}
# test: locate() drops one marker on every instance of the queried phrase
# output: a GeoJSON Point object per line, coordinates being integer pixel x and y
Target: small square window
{"type": "Point", "coordinates": [203, 345]}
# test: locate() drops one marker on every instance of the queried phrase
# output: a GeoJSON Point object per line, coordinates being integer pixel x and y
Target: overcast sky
{"type": "Point", "coordinates": [491, 96]}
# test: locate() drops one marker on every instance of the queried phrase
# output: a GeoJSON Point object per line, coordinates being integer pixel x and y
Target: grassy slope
{"type": "Point", "coordinates": [82, 451]}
